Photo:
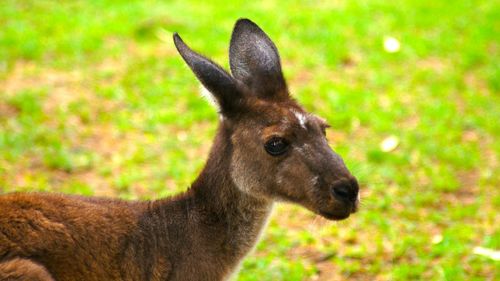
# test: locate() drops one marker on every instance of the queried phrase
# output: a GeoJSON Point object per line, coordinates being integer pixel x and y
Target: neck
{"type": "Point", "coordinates": [215, 185]}
{"type": "Point", "coordinates": [223, 223]}
{"type": "Point", "coordinates": [241, 215]}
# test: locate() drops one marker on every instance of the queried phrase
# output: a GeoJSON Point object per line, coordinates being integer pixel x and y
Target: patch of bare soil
{"type": "Point", "coordinates": [434, 64]}
{"type": "Point", "coordinates": [7, 111]}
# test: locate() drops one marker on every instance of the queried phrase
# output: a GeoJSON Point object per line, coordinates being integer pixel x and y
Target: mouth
{"type": "Point", "coordinates": [334, 216]}
{"type": "Point", "coordinates": [341, 213]}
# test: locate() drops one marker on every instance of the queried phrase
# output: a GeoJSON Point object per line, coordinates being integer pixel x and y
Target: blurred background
{"type": "Point", "coordinates": [95, 100]}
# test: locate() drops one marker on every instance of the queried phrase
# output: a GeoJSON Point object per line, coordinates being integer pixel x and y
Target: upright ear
{"type": "Point", "coordinates": [215, 79]}
{"type": "Point", "coordinates": [255, 61]}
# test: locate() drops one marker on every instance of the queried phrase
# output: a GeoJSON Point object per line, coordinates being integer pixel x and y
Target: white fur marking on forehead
{"type": "Point", "coordinates": [301, 117]}
{"type": "Point", "coordinates": [209, 96]}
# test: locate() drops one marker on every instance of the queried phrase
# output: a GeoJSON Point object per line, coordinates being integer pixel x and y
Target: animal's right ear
{"type": "Point", "coordinates": [255, 61]}
{"type": "Point", "coordinates": [215, 79]}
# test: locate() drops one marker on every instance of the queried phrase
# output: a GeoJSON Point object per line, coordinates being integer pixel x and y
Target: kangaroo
{"type": "Point", "coordinates": [267, 148]}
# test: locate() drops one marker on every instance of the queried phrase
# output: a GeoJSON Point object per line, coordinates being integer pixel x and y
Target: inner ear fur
{"type": "Point", "coordinates": [255, 61]}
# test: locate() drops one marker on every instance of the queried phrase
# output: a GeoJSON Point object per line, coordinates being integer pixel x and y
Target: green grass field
{"type": "Point", "coordinates": [95, 100]}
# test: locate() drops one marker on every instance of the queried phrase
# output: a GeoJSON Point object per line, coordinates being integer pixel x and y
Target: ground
{"type": "Point", "coordinates": [95, 100]}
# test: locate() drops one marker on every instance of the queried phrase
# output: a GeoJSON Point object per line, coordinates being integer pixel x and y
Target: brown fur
{"type": "Point", "coordinates": [23, 270]}
{"type": "Point", "coordinates": [205, 232]}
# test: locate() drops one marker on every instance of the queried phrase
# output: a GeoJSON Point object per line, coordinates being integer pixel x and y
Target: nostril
{"type": "Point", "coordinates": [346, 189]}
{"type": "Point", "coordinates": [340, 193]}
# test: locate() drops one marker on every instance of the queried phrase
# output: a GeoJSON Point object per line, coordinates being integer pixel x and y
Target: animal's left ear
{"type": "Point", "coordinates": [255, 61]}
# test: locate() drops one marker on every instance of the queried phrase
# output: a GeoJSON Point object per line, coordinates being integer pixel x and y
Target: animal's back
{"type": "Point", "coordinates": [71, 236]}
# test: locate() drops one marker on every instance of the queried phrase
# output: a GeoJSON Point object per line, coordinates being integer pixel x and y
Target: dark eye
{"type": "Point", "coordinates": [276, 146]}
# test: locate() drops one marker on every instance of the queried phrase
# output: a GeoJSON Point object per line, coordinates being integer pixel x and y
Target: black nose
{"type": "Point", "coordinates": [346, 189]}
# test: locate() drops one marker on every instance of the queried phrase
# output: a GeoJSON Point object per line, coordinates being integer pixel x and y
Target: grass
{"type": "Point", "coordinates": [95, 100]}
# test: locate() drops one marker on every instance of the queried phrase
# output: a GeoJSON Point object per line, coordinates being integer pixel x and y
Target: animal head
{"type": "Point", "coordinates": [279, 151]}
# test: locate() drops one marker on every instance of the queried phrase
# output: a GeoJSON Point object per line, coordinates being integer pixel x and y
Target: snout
{"type": "Point", "coordinates": [346, 190]}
